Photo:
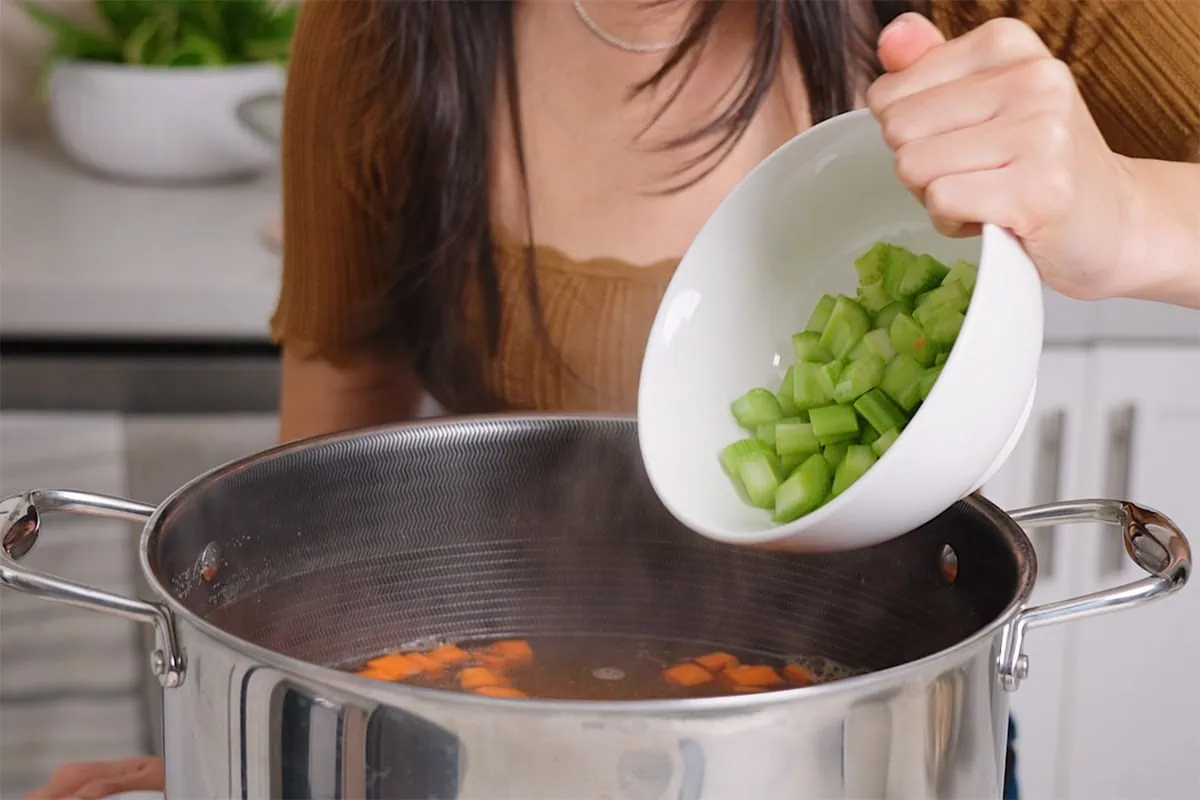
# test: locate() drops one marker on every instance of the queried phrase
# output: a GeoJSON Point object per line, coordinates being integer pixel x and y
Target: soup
{"type": "Point", "coordinates": [597, 668]}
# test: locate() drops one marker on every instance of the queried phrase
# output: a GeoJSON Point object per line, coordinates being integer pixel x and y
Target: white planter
{"type": "Point", "coordinates": [156, 124]}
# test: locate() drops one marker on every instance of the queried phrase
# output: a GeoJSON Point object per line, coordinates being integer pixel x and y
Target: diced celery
{"type": "Point", "coordinates": [807, 391]}
{"type": "Point", "coordinates": [928, 379]}
{"type": "Point", "coordinates": [820, 314]}
{"type": "Point", "coordinates": [873, 297]}
{"type": "Point", "coordinates": [884, 318]}
{"type": "Point", "coordinates": [804, 490]}
{"type": "Point", "coordinates": [847, 323]}
{"type": "Point", "coordinates": [760, 478]}
{"type": "Point", "coordinates": [869, 265]}
{"type": "Point", "coordinates": [788, 464]}
{"type": "Point", "coordinates": [858, 378]}
{"type": "Point", "coordinates": [732, 454]}
{"type": "Point", "coordinates": [834, 453]}
{"type": "Point", "coordinates": [859, 458]}
{"type": "Point", "coordinates": [943, 327]}
{"type": "Point", "coordinates": [879, 344]}
{"type": "Point", "coordinates": [832, 424]}
{"type": "Point", "coordinates": [784, 395]}
{"type": "Point", "coordinates": [902, 383]}
{"type": "Point", "coordinates": [879, 411]}
{"type": "Point", "coordinates": [860, 350]}
{"type": "Point", "coordinates": [908, 338]}
{"type": "Point", "coordinates": [808, 347]}
{"type": "Point", "coordinates": [794, 438]}
{"type": "Point", "coordinates": [829, 374]}
{"type": "Point", "coordinates": [885, 441]}
{"type": "Point", "coordinates": [894, 269]}
{"type": "Point", "coordinates": [948, 294]}
{"type": "Point", "coordinates": [941, 358]}
{"type": "Point", "coordinates": [923, 274]}
{"type": "Point", "coordinates": [766, 433]}
{"type": "Point", "coordinates": [756, 407]}
{"type": "Point", "coordinates": [869, 435]}
{"type": "Point", "coordinates": [962, 273]}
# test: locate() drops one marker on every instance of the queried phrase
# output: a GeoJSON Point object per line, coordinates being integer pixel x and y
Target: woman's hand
{"type": "Point", "coordinates": [990, 127]}
{"type": "Point", "coordinates": [93, 780]}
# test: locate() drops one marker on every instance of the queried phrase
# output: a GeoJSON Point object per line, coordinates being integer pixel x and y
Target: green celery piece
{"type": "Point", "coordinates": [894, 269]}
{"type": "Point", "coordinates": [923, 274]}
{"type": "Point", "coordinates": [820, 314]}
{"type": "Point", "coordinates": [804, 491]}
{"type": "Point", "coordinates": [766, 433]}
{"type": "Point", "coordinates": [902, 383]}
{"type": "Point", "coordinates": [732, 454]}
{"type": "Point", "coordinates": [788, 464]}
{"type": "Point", "coordinates": [807, 389]}
{"type": "Point", "coordinates": [847, 324]}
{"type": "Point", "coordinates": [759, 473]}
{"type": "Point", "coordinates": [869, 265]}
{"type": "Point", "coordinates": [908, 338]}
{"type": "Point", "coordinates": [861, 350]}
{"type": "Point", "coordinates": [833, 424]}
{"type": "Point", "coordinates": [858, 459]}
{"type": "Point", "coordinates": [869, 435]}
{"type": "Point", "coordinates": [829, 375]}
{"type": "Point", "coordinates": [786, 405]}
{"type": "Point", "coordinates": [873, 297]}
{"type": "Point", "coordinates": [964, 274]}
{"type": "Point", "coordinates": [943, 328]}
{"type": "Point", "coordinates": [948, 294]}
{"type": "Point", "coordinates": [928, 379]}
{"type": "Point", "coordinates": [756, 407]}
{"type": "Point", "coordinates": [879, 411]}
{"type": "Point", "coordinates": [885, 441]}
{"type": "Point", "coordinates": [941, 358]}
{"type": "Point", "coordinates": [858, 378]}
{"type": "Point", "coordinates": [878, 343]}
{"type": "Point", "coordinates": [834, 453]}
{"type": "Point", "coordinates": [808, 347]}
{"type": "Point", "coordinates": [884, 318]}
{"type": "Point", "coordinates": [793, 438]}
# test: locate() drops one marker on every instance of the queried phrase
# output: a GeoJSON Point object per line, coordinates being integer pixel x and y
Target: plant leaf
{"type": "Point", "coordinates": [197, 50]}
{"type": "Point", "coordinates": [72, 41]}
{"type": "Point", "coordinates": [123, 16]}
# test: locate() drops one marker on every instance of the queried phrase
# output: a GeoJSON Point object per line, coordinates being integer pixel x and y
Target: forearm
{"type": "Point", "coordinates": [1162, 259]}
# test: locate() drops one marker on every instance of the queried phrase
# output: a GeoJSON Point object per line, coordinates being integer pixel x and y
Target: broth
{"type": "Point", "coordinates": [598, 668]}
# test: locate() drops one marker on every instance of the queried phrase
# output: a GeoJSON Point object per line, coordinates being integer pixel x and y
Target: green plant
{"type": "Point", "coordinates": [174, 33]}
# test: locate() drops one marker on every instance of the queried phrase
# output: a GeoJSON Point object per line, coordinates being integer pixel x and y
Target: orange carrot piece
{"type": "Point", "coordinates": [392, 667]}
{"type": "Point", "coordinates": [754, 675]}
{"type": "Point", "coordinates": [499, 691]}
{"type": "Point", "coordinates": [504, 654]}
{"type": "Point", "coordinates": [372, 673]}
{"type": "Point", "coordinates": [715, 662]}
{"type": "Point", "coordinates": [799, 675]}
{"type": "Point", "coordinates": [686, 675]}
{"type": "Point", "coordinates": [449, 655]}
{"type": "Point", "coordinates": [425, 664]}
{"type": "Point", "coordinates": [748, 689]}
{"type": "Point", "coordinates": [477, 677]}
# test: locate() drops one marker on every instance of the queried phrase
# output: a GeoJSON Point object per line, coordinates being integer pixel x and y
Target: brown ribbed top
{"type": "Point", "coordinates": [1137, 62]}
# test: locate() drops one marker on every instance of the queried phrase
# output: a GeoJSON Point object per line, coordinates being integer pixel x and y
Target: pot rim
{"type": "Point", "coordinates": [1020, 545]}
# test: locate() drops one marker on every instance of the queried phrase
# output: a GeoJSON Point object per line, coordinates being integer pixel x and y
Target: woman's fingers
{"type": "Point", "coordinates": [1018, 197]}
{"type": "Point", "coordinates": [905, 40]}
{"type": "Point", "coordinates": [93, 780]}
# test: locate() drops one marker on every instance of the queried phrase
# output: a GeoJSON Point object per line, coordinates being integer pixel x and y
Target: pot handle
{"type": "Point", "coordinates": [21, 529]}
{"type": "Point", "coordinates": [1154, 543]}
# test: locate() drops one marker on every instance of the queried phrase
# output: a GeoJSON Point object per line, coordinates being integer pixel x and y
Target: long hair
{"type": "Point", "coordinates": [445, 65]}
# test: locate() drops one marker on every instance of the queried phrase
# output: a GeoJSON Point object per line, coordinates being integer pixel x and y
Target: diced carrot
{"type": "Point", "coordinates": [393, 667]}
{"type": "Point", "coordinates": [715, 662]}
{"type": "Point", "coordinates": [499, 691]}
{"type": "Point", "coordinates": [687, 675]}
{"type": "Point", "coordinates": [372, 673]}
{"type": "Point", "coordinates": [799, 675]}
{"type": "Point", "coordinates": [476, 677]}
{"type": "Point", "coordinates": [504, 654]}
{"type": "Point", "coordinates": [449, 655]}
{"type": "Point", "coordinates": [748, 689]}
{"type": "Point", "coordinates": [753, 675]}
{"type": "Point", "coordinates": [425, 664]}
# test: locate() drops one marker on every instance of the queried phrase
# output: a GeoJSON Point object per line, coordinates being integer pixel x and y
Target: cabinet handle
{"type": "Point", "coordinates": [1117, 476]}
{"type": "Point", "coordinates": [1048, 485]}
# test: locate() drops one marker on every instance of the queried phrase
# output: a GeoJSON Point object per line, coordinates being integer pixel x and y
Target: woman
{"type": "Point", "coordinates": [484, 201]}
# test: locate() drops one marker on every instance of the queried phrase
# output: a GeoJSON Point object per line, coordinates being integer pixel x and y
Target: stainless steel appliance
{"type": "Point", "coordinates": [270, 571]}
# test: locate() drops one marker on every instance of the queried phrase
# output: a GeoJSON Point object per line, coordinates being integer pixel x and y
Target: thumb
{"type": "Point", "coordinates": [907, 38]}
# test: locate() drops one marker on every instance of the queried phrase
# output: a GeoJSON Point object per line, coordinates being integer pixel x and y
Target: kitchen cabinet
{"type": "Point", "coordinates": [1111, 707]}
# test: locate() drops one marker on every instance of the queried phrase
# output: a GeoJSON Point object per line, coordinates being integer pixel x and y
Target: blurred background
{"type": "Point", "coordinates": [139, 264]}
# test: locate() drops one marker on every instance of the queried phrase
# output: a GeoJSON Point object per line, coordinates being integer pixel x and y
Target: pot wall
{"type": "Point", "coordinates": [237, 729]}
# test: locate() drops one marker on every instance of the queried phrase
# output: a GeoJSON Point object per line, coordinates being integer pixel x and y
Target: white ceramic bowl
{"type": "Point", "coordinates": [149, 124]}
{"type": "Point", "coordinates": [786, 235]}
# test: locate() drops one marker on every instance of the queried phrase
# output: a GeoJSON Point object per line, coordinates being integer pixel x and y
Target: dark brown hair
{"type": "Point", "coordinates": [446, 65]}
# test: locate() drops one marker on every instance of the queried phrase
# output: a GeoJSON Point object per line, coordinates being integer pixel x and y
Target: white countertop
{"type": "Point", "coordinates": [82, 256]}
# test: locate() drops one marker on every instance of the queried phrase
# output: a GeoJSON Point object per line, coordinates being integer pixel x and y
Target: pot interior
{"type": "Point", "coordinates": [336, 550]}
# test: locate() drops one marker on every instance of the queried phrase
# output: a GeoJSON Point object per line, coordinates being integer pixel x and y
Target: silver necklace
{"type": "Point", "coordinates": [621, 44]}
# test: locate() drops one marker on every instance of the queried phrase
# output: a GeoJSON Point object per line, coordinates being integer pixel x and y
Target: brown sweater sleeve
{"type": "Point", "coordinates": [1137, 63]}
{"type": "Point", "coordinates": [334, 183]}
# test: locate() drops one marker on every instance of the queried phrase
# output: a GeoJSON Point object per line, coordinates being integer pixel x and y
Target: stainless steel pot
{"type": "Point", "coordinates": [270, 570]}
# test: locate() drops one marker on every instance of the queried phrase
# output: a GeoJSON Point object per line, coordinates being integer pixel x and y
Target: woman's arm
{"type": "Point", "coordinates": [1166, 214]}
